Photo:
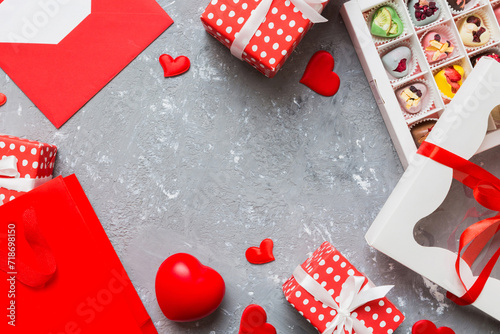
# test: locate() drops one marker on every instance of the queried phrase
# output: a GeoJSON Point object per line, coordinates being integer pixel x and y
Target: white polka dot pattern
{"type": "Point", "coordinates": [34, 160]}
{"type": "Point", "coordinates": [329, 267]}
{"type": "Point", "coordinates": [283, 28]}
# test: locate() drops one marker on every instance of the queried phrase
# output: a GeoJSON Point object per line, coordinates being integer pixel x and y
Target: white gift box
{"type": "Point", "coordinates": [426, 183]}
{"type": "Point", "coordinates": [357, 16]}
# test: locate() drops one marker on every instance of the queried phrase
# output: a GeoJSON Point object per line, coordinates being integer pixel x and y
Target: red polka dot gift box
{"type": "Point", "coordinates": [262, 32]}
{"type": "Point", "coordinates": [24, 165]}
{"type": "Point", "coordinates": [336, 298]}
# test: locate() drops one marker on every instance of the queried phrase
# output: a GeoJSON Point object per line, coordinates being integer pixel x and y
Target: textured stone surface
{"type": "Point", "coordinates": [215, 160]}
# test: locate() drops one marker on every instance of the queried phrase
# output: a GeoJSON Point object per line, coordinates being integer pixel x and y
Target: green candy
{"type": "Point", "coordinates": [386, 23]}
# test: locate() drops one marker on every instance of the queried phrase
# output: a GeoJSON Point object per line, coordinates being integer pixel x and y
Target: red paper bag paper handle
{"type": "Point", "coordinates": [45, 261]}
{"type": "Point", "coordinates": [486, 190]}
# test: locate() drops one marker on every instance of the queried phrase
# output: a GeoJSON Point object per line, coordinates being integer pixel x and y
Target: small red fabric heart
{"type": "Point", "coordinates": [172, 67]}
{"type": "Point", "coordinates": [428, 327]}
{"type": "Point", "coordinates": [186, 290]}
{"type": "Point", "coordinates": [319, 75]}
{"type": "Point", "coordinates": [262, 254]}
{"type": "Point", "coordinates": [254, 321]}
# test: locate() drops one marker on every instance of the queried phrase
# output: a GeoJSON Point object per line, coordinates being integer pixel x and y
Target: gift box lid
{"type": "Point", "coordinates": [425, 184]}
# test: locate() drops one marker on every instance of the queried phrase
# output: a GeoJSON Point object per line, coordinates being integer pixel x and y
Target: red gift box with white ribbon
{"type": "Point", "coordinates": [262, 32]}
{"type": "Point", "coordinates": [336, 298]}
{"type": "Point", "coordinates": [24, 165]}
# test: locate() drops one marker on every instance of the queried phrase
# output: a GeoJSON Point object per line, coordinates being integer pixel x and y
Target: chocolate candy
{"type": "Point", "coordinates": [473, 32]}
{"type": "Point", "coordinates": [410, 97]}
{"type": "Point", "coordinates": [449, 80]}
{"type": "Point", "coordinates": [458, 5]}
{"type": "Point", "coordinates": [423, 12]}
{"type": "Point", "coordinates": [420, 131]}
{"type": "Point", "coordinates": [437, 46]}
{"type": "Point", "coordinates": [492, 55]}
{"type": "Point", "coordinates": [398, 61]}
{"type": "Point", "coordinates": [386, 23]}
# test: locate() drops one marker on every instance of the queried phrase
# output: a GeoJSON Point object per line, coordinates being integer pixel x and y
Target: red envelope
{"type": "Point", "coordinates": [89, 292]}
{"type": "Point", "coordinates": [60, 78]}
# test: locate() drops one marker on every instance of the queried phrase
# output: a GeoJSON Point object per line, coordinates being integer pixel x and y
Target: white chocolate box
{"type": "Point", "coordinates": [357, 17]}
{"type": "Point", "coordinates": [425, 185]}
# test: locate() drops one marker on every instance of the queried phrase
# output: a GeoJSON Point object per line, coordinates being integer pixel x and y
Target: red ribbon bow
{"type": "Point", "coordinates": [486, 190]}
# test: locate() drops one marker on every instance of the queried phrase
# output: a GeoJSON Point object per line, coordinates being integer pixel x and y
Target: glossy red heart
{"type": "Point", "coordinates": [172, 67]}
{"type": "Point", "coordinates": [187, 290]}
{"type": "Point", "coordinates": [319, 75]}
{"type": "Point", "coordinates": [262, 254]}
{"type": "Point", "coordinates": [3, 99]}
{"type": "Point", "coordinates": [428, 327]}
{"type": "Point", "coordinates": [254, 321]}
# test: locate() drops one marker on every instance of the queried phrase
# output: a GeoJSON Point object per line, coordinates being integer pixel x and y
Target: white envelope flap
{"type": "Point", "coordinates": [40, 21]}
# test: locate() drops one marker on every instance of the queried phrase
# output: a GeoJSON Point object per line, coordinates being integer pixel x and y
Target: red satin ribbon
{"type": "Point", "coordinates": [486, 190]}
{"type": "Point", "coordinates": [42, 272]}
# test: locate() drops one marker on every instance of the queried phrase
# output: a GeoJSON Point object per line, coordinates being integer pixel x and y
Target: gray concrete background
{"type": "Point", "coordinates": [215, 160]}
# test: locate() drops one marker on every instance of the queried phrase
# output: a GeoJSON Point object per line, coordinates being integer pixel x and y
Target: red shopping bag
{"type": "Point", "coordinates": [59, 272]}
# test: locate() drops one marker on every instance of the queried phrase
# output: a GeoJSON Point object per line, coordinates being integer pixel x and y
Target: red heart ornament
{"type": "Point", "coordinates": [254, 321]}
{"type": "Point", "coordinates": [319, 75]}
{"type": "Point", "coordinates": [428, 327]}
{"type": "Point", "coordinates": [262, 254]}
{"type": "Point", "coordinates": [187, 290]}
{"type": "Point", "coordinates": [172, 67]}
{"type": "Point", "coordinates": [3, 99]}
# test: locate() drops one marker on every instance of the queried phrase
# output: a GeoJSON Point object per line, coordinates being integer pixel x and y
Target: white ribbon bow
{"type": "Point", "coordinates": [243, 37]}
{"type": "Point", "coordinates": [13, 181]}
{"type": "Point", "coordinates": [350, 298]}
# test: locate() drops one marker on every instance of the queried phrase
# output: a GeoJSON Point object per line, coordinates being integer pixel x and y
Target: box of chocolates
{"type": "Point", "coordinates": [416, 55]}
{"type": "Point", "coordinates": [442, 220]}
